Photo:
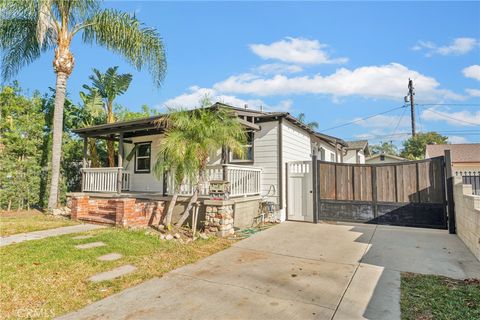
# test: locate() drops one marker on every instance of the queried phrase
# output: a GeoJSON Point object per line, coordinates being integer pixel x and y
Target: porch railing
{"type": "Point", "coordinates": [104, 179]}
{"type": "Point", "coordinates": [244, 180]}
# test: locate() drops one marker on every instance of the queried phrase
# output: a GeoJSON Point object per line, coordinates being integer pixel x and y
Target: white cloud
{"type": "Point", "coordinates": [276, 68]}
{"type": "Point", "coordinates": [472, 71]}
{"type": "Point", "coordinates": [473, 92]}
{"type": "Point", "coordinates": [296, 50]}
{"type": "Point", "coordinates": [457, 118]}
{"type": "Point", "coordinates": [195, 94]}
{"type": "Point", "coordinates": [457, 139]}
{"type": "Point", "coordinates": [386, 81]}
{"type": "Point", "coordinates": [458, 46]}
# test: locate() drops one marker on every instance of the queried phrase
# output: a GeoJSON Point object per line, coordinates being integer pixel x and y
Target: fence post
{"type": "Point", "coordinates": [450, 201]}
{"type": "Point", "coordinates": [374, 191]}
{"type": "Point", "coordinates": [314, 188]}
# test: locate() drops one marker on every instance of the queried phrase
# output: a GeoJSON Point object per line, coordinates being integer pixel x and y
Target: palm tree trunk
{"type": "Point", "coordinates": [60, 90]}
{"type": "Point", "coordinates": [110, 144]}
{"type": "Point", "coordinates": [189, 207]}
{"type": "Point", "coordinates": [171, 206]}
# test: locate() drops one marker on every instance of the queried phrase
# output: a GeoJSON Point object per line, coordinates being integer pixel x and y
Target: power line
{"type": "Point", "coordinates": [449, 104]}
{"type": "Point", "coordinates": [361, 119]}
{"type": "Point", "coordinates": [399, 121]}
{"type": "Point", "coordinates": [452, 118]}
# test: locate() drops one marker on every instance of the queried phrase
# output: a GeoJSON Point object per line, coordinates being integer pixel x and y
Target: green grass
{"type": "Point", "coordinates": [49, 276]}
{"type": "Point", "coordinates": [28, 221]}
{"type": "Point", "coordinates": [428, 297]}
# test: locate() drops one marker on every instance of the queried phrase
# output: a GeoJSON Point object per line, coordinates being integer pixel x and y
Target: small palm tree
{"type": "Point", "coordinates": [110, 85]}
{"type": "Point", "coordinates": [29, 28]}
{"type": "Point", "coordinates": [312, 125]}
{"type": "Point", "coordinates": [92, 114]}
{"type": "Point", "coordinates": [191, 136]}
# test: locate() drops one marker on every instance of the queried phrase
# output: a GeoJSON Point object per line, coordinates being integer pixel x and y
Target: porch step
{"type": "Point", "coordinates": [102, 212]}
{"type": "Point", "coordinates": [108, 207]}
{"type": "Point", "coordinates": [98, 219]}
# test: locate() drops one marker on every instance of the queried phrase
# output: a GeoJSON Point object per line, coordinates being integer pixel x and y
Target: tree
{"type": "Point", "coordinates": [109, 85]}
{"type": "Point", "coordinates": [21, 132]}
{"type": "Point", "coordinates": [29, 28]}
{"type": "Point", "coordinates": [312, 125]}
{"type": "Point", "coordinates": [414, 147]}
{"type": "Point", "coordinates": [123, 114]}
{"type": "Point", "coordinates": [384, 148]}
{"type": "Point", "coordinates": [190, 137]}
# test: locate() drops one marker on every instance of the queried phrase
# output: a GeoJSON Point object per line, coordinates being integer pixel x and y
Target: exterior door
{"type": "Point", "coordinates": [299, 191]}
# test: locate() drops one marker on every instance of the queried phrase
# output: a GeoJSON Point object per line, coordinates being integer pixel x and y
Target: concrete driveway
{"type": "Point", "coordinates": [296, 271]}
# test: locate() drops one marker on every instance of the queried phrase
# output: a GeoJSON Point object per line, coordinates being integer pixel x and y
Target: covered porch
{"type": "Point", "coordinates": [131, 191]}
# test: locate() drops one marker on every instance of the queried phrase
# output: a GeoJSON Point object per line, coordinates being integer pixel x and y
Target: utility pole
{"type": "Point", "coordinates": [411, 93]}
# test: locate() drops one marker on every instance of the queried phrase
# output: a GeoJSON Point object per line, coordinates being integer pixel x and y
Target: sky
{"type": "Point", "coordinates": [336, 62]}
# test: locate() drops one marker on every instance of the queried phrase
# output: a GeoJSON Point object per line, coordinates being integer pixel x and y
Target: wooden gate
{"type": "Point", "coordinates": [405, 193]}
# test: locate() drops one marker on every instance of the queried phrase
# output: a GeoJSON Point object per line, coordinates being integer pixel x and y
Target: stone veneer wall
{"type": "Point", "coordinates": [219, 217]}
{"type": "Point", "coordinates": [467, 215]}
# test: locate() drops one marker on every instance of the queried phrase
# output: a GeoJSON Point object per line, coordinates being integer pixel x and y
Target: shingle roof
{"type": "Point", "coordinates": [359, 144]}
{"type": "Point", "coordinates": [465, 152]}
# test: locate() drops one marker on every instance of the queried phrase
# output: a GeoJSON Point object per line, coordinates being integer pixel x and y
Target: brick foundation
{"type": "Point", "coordinates": [219, 217]}
{"type": "Point", "coordinates": [124, 212]}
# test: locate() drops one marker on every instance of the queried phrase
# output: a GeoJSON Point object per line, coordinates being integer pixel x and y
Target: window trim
{"type": "Point", "coordinates": [135, 170]}
{"type": "Point", "coordinates": [247, 145]}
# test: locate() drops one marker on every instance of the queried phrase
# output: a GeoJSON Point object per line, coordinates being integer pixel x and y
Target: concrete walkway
{"type": "Point", "coordinates": [295, 271]}
{"type": "Point", "coordinates": [16, 238]}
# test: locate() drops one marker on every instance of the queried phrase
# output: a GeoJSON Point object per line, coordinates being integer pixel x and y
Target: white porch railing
{"type": "Point", "coordinates": [104, 179]}
{"type": "Point", "coordinates": [244, 180]}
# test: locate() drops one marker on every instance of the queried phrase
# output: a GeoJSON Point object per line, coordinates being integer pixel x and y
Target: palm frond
{"type": "Point", "coordinates": [124, 34]}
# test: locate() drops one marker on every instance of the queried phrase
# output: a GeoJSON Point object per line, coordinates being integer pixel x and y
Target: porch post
{"type": "Point", "coordinates": [85, 161]}
{"type": "Point", "coordinates": [120, 163]}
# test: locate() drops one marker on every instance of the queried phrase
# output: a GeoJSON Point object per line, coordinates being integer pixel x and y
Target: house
{"type": "Point", "coordinates": [384, 158]}
{"type": "Point", "coordinates": [465, 156]}
{"type": "Point", "coordinates": [132, 194]}
{"type": "Point", "coordinates": [356, 152]}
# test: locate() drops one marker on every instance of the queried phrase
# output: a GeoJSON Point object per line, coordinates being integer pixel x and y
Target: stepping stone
{"type": "Point", "coordinates": [90, 245]}
{"type": "Point", "coordinates": [112, 274]}
{"type": "Point", "coordinates": [110, 257]}
{"type": "Point", "coordinates": [82, 237]}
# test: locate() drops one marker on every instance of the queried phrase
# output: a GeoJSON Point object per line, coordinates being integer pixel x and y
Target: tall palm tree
{"type": "Point", "coordinates": [29, 28]}
{"type": "Point", "coordinates": [190, 137]}
{"type": "Point", "coordinates": [110, 85]}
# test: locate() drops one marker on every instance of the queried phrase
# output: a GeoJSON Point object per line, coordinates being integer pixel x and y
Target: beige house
{"type": "Point", "coordinates": [384, 158]}
{"type": "Point", "coordinates": [356, 152]}
{"type": "Point", "coordinates": [465, 156]}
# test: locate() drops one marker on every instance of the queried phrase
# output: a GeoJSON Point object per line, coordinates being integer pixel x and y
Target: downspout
{"type": "Point", "coordinates": [280, 163]}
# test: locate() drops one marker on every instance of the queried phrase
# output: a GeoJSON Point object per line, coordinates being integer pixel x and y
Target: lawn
{"type": "Point", "coordinates": [428, 297]}
{"type": "Point", "coordinates": [48, 277]}
{"type": "Point", "coordinates": [28, 221]}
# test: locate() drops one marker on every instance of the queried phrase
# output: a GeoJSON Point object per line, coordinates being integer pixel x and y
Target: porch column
{"type": "Point", "coordinates": [85, 161]}
{"type": "Point", "coordinates": [120, 163]}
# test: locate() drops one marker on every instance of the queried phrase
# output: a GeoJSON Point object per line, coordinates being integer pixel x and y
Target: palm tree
{"type": "Point", "coordinates": [110, 85]}
{"type": "Point", "coordinates": [29, 28]}
{"type": "Point", "coordinates": [190, 137]}
{"type": "Point", "coordinates": [92, 114]}
{"type": "Point", "coordinates": [312, 125]}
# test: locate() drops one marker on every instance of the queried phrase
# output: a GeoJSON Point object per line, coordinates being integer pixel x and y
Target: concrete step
{"type": "Point", "coordinates": [101, 213]}
{"type": "Point", "coordinates": [95, 219]}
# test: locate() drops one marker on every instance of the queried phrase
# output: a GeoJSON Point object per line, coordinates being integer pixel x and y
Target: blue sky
{"type": "Point", "coordinates": [335, 62]}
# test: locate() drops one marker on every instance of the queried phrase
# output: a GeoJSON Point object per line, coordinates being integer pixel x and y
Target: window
{"type": "Point", "coordinates": [248, 154]}
{"type": "Point", "coordinates": [322, 154]}
{"type": "Point", "coordinates": [332, 157]}
{"type": "Point", "coordinates": [382, 158]}
{"type": "Point", "coordinates": [142, 157]}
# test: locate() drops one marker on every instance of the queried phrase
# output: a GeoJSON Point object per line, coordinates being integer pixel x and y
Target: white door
{"type": "Point", "coordinates": [299, 191]}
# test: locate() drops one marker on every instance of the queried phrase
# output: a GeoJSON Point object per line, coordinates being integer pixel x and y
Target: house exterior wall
{"type": "Point", "coordinates": [144, 181]}
{"type": "Point", "coordinates": [378, 161]}
{"type": "Point", "coordinates": [465, 166]}
{"type": "Point", "coordinates": [265, 156]}
{"type": "Point", "coordinates": [296, 146]}
{"type": "Point", "coordinates": [329, 151]}
{"type": "Point", "coordinates": [351, 157]}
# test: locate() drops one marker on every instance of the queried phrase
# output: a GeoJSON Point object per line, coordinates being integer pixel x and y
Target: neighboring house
{"type": "Point", "coordinates": [356, 152]}
{"type": "Point", "coordinates": [465, 156]}
{"type": "Point", "coordinates": [274, 138]}
{"type": "Point", "coordinates": [384, 158]}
